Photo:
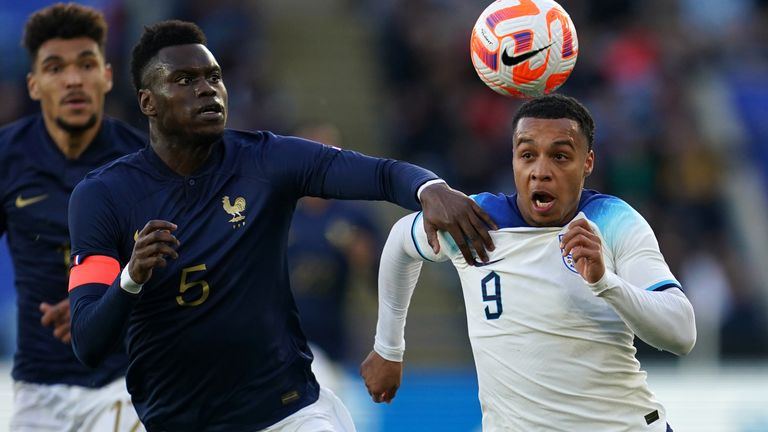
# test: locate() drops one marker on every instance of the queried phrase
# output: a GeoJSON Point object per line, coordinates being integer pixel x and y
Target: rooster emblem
{"type": "Point", "coordinates": [236, 209]}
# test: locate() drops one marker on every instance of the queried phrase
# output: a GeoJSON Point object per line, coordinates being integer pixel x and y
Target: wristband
{"type": "Point", "coordinates": [427, 184]}
{"type": "Point", "coordinates": [128, 284]}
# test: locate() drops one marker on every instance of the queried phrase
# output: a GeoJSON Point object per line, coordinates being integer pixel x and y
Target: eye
{"type": "Point", "coordinates": [561, 157]}
{"type": "Point", "coordinates": [215, 78]}
{"type": "Point", "coordinates": [183, 80]}
{"type": "Point", "coordinates": [53, 68]}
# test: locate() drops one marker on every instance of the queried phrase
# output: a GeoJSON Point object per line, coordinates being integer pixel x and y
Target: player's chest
{"type": "Point", "coordinates": [209, 211]}
{"type": "Point", "coordinates": [529, 279]}
{"type": "Point", "coordinates": [35, 201]}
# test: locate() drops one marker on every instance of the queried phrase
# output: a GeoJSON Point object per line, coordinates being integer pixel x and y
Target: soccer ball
{"type": "Point", "coordinates": [524, 48]}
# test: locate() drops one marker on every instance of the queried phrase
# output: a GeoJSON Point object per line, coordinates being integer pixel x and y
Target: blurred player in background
{"type": "Point", "coordinates": [198, 222]}
{"type": "Point", "coordinates": [553, 315]}
{"type": "Point", "coordinates": [43, 157]}
{"type": "Point", "coordinates": [331, 244]}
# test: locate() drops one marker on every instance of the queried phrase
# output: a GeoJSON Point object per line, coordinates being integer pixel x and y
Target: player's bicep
{"type": "Point", "coordinates": [640, 262]}
{"type": "Point", "coordinates": [299, 165]}
{"type": "Point", "coordinates": [94, 235]}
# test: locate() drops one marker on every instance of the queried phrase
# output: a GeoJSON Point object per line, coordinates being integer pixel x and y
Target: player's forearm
{"type": "Point", "coordinates": [663, 319]}
{"type": "Point", "coordinates": [398, 274]}
{"type": "Point", "coordinates": [99, 314]}
{"type": "Point", "coordinates": [353, 175]}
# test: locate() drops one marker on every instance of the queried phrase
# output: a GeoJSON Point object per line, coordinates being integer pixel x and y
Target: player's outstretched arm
{"type": "Point", "coordinates": [662, 319]}
{"type": "Point", "coordinates": [330, 172]}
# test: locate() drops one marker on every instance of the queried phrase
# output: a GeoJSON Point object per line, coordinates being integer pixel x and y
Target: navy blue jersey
{"type": "Point", "coordinates": [214, 338]}
{"type": "Point", "coordinates": [35, 185]}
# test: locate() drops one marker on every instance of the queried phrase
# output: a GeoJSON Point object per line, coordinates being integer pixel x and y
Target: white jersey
{"type": "Point", "coordinates": [550, 354]}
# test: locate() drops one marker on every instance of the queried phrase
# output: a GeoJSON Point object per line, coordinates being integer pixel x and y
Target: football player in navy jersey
{"type": "Point", "coordinates": [43, 157]}
{"type": "Point", "coordinates": [182, 245]}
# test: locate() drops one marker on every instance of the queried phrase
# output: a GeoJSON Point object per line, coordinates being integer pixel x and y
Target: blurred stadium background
{"type": "Point", "coordinates": [679, 90]}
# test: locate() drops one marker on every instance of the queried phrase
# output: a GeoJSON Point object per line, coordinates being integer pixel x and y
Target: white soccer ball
{"type": "Point", "coordinates": [524, 48]}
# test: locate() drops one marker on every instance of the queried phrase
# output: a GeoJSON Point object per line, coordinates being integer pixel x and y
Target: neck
{"type": "Point", "coordinates": [182, 155]}
{"type": "Point", "coordinates": [72, 145]}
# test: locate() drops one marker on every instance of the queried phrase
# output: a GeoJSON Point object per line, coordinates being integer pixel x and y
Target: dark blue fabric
{"type": "Point", "coordinates": [37, 175]}
{"type": "Point", "coordinates": [214, 339]}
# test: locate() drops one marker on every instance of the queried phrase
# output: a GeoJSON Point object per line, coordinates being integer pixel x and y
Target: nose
{"type": "Point", "coordinates": [72, 77]}
{"type": "Point", "coordinates": [204, 88]}
{"type": "Point", "coordinates": [542, 170]}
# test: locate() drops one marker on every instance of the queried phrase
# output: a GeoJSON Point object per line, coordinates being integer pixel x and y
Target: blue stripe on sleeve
{"type": "Point", "coordinates": [413, 237]}
{"type": "Point", "coordinates": [664, 285]}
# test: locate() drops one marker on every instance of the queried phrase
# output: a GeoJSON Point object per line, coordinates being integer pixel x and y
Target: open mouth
{"type": "Point", "coordinates": [211, 109]}
{"type": "Point", "coordinates": [542, 201]}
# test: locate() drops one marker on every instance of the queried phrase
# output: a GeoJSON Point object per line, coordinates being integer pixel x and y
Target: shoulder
{"type": "Point", "coordinates": [16, 133]}
{"type": "Point", "coordinates": [501, 208]}
{"type": "Point", "coordinates": [118, 171]}
{"type": "Point", "coordinates": [614, 217]}
{"type": "Point", "coordinates": [265, 140]}
{"type": "Point", "coordinates": [605, 209]}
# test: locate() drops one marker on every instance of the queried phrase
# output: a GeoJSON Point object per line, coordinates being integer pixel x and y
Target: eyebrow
{"type": "Point", "coordinates": [56, 57]}
{"type": "Point", "coordinates": [558, 143]}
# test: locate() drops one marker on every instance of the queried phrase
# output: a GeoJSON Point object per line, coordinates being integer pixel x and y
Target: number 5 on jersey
{"type": "Point", "coordinates": [186, 285]}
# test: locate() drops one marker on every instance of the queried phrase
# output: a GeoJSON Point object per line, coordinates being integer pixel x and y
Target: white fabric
{"type": "Point", "coordinates": [328, 414]}
{"type": "Point", "coordinates": [127, 283]}
{"type": "Point", "coordinates": [661, 319]}
{"type": "Point", "coordinates": [426, 185]}
{"type": "Point", "coordinates": [64, 408]}
{"type": "Point", "coordinates": [550, 354]}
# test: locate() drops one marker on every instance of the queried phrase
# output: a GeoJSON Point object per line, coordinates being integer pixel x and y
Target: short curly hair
{"type": "Point", "coordinates": [556, 106]}
{"type": "Point", "coordinates": [65, 21]}
{"type": "Point", "coordinates": [158, 36]}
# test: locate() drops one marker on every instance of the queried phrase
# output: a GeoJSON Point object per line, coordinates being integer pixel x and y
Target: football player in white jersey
{"type": "Point", "coordinates": [552, 315]}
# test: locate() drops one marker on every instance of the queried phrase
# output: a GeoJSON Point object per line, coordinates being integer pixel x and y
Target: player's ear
{"type": "Point", "coordinates": [32, 89]}
{"type": "Point", "coordinates": [589, 163]}
{"type": "Point", "coordinates": [147, 103]}
{"type": "Point", "coordinates": [108, 77]}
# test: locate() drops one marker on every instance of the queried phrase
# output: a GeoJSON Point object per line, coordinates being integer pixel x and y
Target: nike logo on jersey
{"type": "Point", "coordinates": [511, 61]}
{"type": "Point", "coordinates": [483, 264]}
{"type": "Point", "coordinates": [23, 202]}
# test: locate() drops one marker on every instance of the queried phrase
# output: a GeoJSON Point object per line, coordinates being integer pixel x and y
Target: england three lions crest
{"type": "Point", "coordinates": [235, 210]}
{"type": "Point", "coordinates": [570, 264]}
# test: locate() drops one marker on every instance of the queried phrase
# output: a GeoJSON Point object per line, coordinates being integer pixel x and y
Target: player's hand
{"type": "Point", "coordinates": [584, 245]}
{"type": "Point", "coordinates": [57, 316]}
{"type": "Point", "coordinates": [382, 377]}
{"type": "Point", "coordinates": [449, 210]}
{"type": "Point", "coordinates": [154, 246]}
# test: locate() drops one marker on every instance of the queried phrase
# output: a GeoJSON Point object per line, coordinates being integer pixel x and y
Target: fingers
{"type": "Point", "coordinates": [381, 377]}
{"type": "Point", "coordinates": [48, 314]}
{"type": "Point", "coordinates": [61, 332]}
{"type": "Point", "coordinates": [485, 218]}
{"type": "Point", "coordinates": [53, 314]}
{"type": "Point", "coordinates": [579, 234]}
{"type": "Point", "coordinates": [155, 244]}
{"type": "Point", "coordinates": [431, 231]}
